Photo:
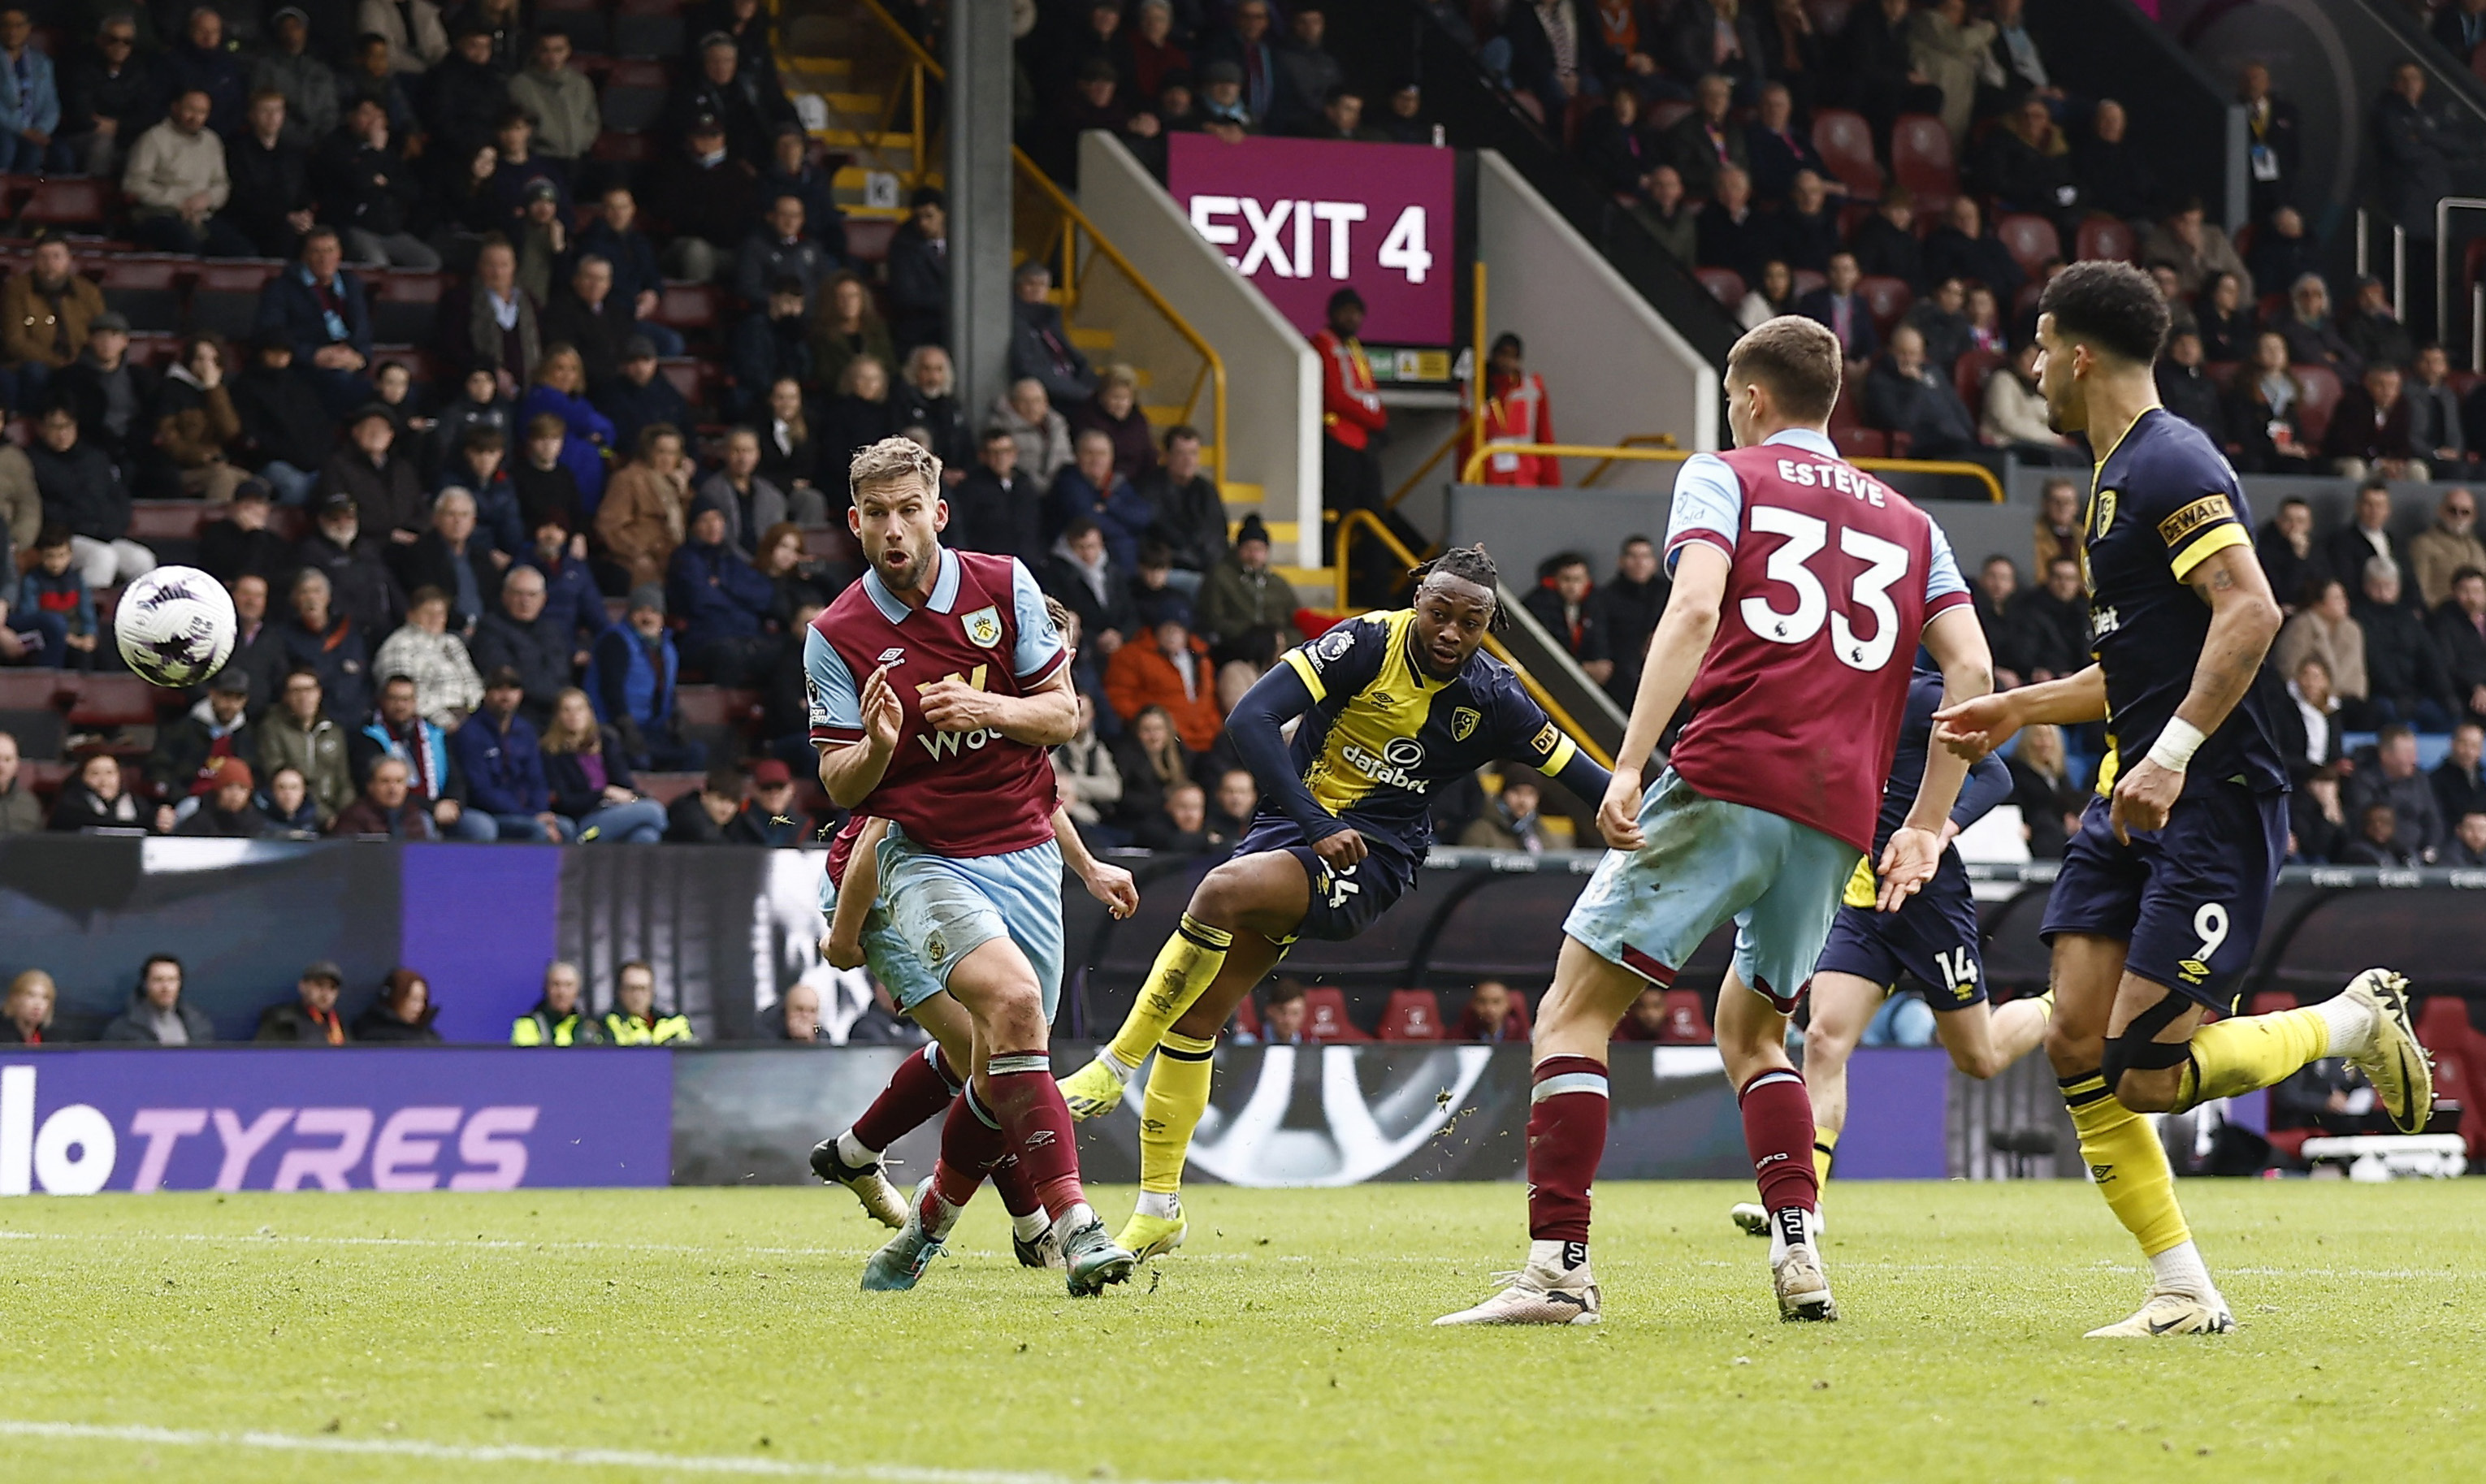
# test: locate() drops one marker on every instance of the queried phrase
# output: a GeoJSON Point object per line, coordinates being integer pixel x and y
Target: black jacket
{"type": "Point", "coordinates": [919, 289]}
{"type": "Point", "coordinates": [985, 516]}
{"type": "Point", "coordinates": [538, 651]}
{"type": "Point", "coordinates": [181, 750]}
{"type": "Point", "coordinates": [1926, 409]}
{"type": "Point", "coordinates": [2463, 649]}
{"type": "Point", "coordinates": [1884, 251]}
{"type": "Point", "coordinates": [1190, 518]}
{"type": "Point", "coordinates": [212, 823]}
{"type": "Point", "coordinates": [571, 796]}
{"type": "Point", "coordinates": [360, 584]}
{"type": "Point", "coordinates": [428, 563]}
{"type": "Point", "coordinates": [81, 384]}
{"type": "Point", "coordinates": [226, 551]}
{"type": "Point", "coordinates": [597, 335]}
{"type": "Point", "coordinates": [290, 1024]}
{"type": "Point", "coordinates": [2401, 661]}
{"type": "Point", "coordinates": [266, 185]}
{"type": "Point", "coordinates": [388, 497]}
{"type": "Point", "coordinates": [280, 418]}
{"type": "Point", "coordinates": [82, 489]}
{"type": "Point", "coordinates": [132, 1024]}
{"type": "Point", "coordinates": [378, 1024]}
{"type": "Point", "coordinates": [360, 187]}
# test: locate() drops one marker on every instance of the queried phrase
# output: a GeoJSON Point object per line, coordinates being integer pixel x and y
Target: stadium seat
{"type": "Point", "coordinates": [2321, 394]}
{"type": "Point", "coordinates": [2442, 1028]}
{"type": "Point", "coordinates": [688, 306]}
{"type": "Point", "coordinates": [1724, 285]}
{"type": "Point", "coordinates": [582, 21]}
{"type": "Point", "coordinates": [691, 375]}
{"type": "Point", "coordinates": [1846, 142]}
{"type": "Point", "coordinates": [1969, 377]}
{"type": "Point", "coordinates": [2270, 1002]}
{"type": "Point", "coordinates": [406, 306]}
{"type": "Point", "coordinates": [1806, 281]}
{"type": "Point", "coordinates": [666, 788]}
{"type": "Point", "coordinates": [2030, 240]}
{"type": "Point", "coordinates": [154, 349]}
{"type": "Point", "coordinates": [1687, 1024]}
{"type": "Point", "coordinates": [1862, 442]}
{"type": "Point", "coordinates": [1921, 159]}
{"type": "Point", "coordinates": [1849, 410]}
{"type": "Point", "coordinates": [615, 148]}
{"type": "Point", "coordinates": [224, 296]}
{"type": "Point", "coordinates": [1412, 1015]}
{"type": "Point", "coordinates": [867, 240]}
{"type": "Point", "coordinates": [648, 28]}
{"type": "Point", "coordinates": [36, 690]}
{"type": "Point", "coordinates": [67, 203]}
{"type": "Point", "coordinates": [1666, 113]}
{"type": "Point", "coordinates": [716, 706]}
{"type": "Point", "coordinates": [1325, 1017]}
{"type": "Point", "coordinates": [1889, 299]}
{"type": "Point", "coordinates": [113, 700]}
{"type": "Point", "coordinates": [2103, 237]}
{"type": "Point", "coordinates": [147, 291]}
{"type": "Point", "coordinates": [634, 97]}
{"type": "Point", "coordinates": [1247, 1017]}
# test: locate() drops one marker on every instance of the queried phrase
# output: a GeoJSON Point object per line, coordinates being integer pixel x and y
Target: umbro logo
{"type": "Point", "coordinates": [894, 654]}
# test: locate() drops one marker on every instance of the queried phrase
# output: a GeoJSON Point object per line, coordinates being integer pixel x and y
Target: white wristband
{"type": "Point", "coordinates": [2176, 745]}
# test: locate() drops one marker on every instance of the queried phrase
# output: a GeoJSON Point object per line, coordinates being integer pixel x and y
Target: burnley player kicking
{"type": "Point", "coordinates": [937, 681]}
{"type": "Point", "coordinates": [2155, 913]}
{"type": "Point", "coordinates": [1802, 588]}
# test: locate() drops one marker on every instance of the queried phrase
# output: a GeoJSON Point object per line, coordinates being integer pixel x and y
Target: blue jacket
{"type": "Point", "coordinates": [289, 307]}
{"type": "Point", "coordinates": [1122, 512]}
{"type": "Point", "coordinates": [632, 408]}
{"type": "Point", "coordinates": [573, 608]}
{"type": "Point", "coordinates": [504, 771]}
{"type": "Point", "coordinates": [36, 104]}
{"type": "Point", "coordinates": [68, 595]}
{"type": "Point", "coordinates": [627, 683]}
{"type": "Point", "coordinates": [723, 595]}
{"type": "Point", "coordinates": [632, 256]}
{"type": "Point", "coordinates": [496, 506]}
{"type": "Point", "coordinates": [590, 432]}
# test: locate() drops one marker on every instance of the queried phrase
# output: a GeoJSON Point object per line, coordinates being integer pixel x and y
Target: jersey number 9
{"type": "Point", "coordinates": [1885, 562]}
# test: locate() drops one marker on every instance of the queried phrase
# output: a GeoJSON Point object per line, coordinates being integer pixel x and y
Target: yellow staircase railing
{"type": "Point", "coordinates": [1959, 468]}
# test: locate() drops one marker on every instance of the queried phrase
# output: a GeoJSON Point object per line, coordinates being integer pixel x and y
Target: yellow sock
{"type": "Point", "coordinates": [1189, 960]}
{"type": "Point", "coordinates": [1177, 1095]}
{"type": "Point", "coordinates": [1823, 1143]}
{"type": "Point", "coordinates": [2248, 1051]}
{"type": "Point", "coordinates": [2128, 1164]}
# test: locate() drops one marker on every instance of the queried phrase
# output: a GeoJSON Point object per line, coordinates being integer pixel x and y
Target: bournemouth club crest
{"type": "Point", "coordinates": [1463, 721]}
{"type": "Point", "coordinates": [984, 627]}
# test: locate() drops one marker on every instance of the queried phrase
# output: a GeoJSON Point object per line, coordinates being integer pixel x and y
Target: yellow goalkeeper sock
{"type": "Point", "coordinates": [1177, 1095]}
{"type": "Point", "coordinates": [2236, 1055]}
{"type": "Point", "coordinates": [1825, 1141]}
{"type": "Point", "coordinates": [2127, 1163]}
{"type": "Point", "coordinates": [1184, 968]}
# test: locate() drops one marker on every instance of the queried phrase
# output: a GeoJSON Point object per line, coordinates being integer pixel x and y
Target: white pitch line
{"type": "Point", "coordinates": [523, 1453]}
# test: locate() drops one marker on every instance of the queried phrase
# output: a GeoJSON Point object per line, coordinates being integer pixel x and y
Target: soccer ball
{"type": "Point", "coordinates": [176, 625]}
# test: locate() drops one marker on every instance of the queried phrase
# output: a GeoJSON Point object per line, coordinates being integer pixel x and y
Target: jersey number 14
{"type": "Point", "coordinates": [1885, 562]}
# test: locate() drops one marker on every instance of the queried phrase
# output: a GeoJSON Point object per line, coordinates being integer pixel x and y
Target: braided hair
{"type": "Point", "coordinates": [1468, 564]}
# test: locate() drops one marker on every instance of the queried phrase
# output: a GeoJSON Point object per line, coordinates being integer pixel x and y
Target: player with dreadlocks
{"type": "Point", "coordinates": [1387, 704]}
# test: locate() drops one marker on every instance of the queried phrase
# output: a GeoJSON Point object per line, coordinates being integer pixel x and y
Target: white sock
{"type": "Point", "coordinates": [1028, 1228]}
{"type": "Point", "coordinates": [1123, 1071]}
{"type": "Point", "coordinates": [1072, 1220]}
{"type": "Point", "coordinates": [2351, 1022]}
{"type": "Point", "coordinates": [1791, 1226]}
{"type": "Point", "coordinates": [851, 1151]}
{"type": "Point", "coordinates": [1570, 1259]}
{"type": "Point", "coordinates": [2180, 1270]}
{"type": "Point", "coordinates": [1165, 1206]}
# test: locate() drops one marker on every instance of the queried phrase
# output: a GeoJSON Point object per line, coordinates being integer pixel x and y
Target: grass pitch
{"type": "Point", "coordinates": [550, 1335]}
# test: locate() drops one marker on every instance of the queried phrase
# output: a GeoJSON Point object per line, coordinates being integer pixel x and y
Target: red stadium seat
{"type": "Point", "coordinates": [1968, 377]}
{"type": "Point", "coordinates": [666, 788]}
{"type": "Point", "coordinates": [1806, 281]}
{"type": "Point", "coordinates": [1862, 442]}
{"type": "Point", "coordinates": [648, 28]}
{"type": "Point", "coordinates": [1666, 114]}
{"type": "Point", "coordinates": [2030, 240]}
{"type": "Point", "coordinates": [688, 306]}
{"type": "Point", "coordinates": [1247, 1017]}
{"type": "Point", "coordinates": [1849, 410]}
{"type": "Point", "coordinates": [716, 706]}
{"type": "Point", "coordinates": [2103, 237]}
{"type": "Point", "coordinates": [1846, 145]}
{"type": "Point", "coordinates": [1519, 1013]}
{"type": "Point", "coordinates": [60, 203]}
{"type": "Point", "coordinates": [147, 291]}
{"type": "Point", "coordinates": [690, 376]}
{"type": "Point", "coordinates": [613, 147]}
{"type": "Point", "coordinates": [2442, 1028]}
{"type": "Point", "coordinates": [2321, 395]}
{"type": "Point", "coordinates": [2024, 304]}
{"type": "Point", "coordinates": [115, 701]}
{"type": "Point", "coordinates": [1724, 285]}
{"type": "Point", "coordinates": [1686, 1023]}
{"type": "Point", "coordinates": [1889, 299]}
{"type": "Point", "coordinates": [634, 99]}
{"type": "Point", "coordinates": [1412, 1015]}
{"type": "Point", "coordinates": [1325, 1017]}
{"type": "Point", "coordinates": [2270, 1002]}
{"type": "Point", "coordinates": [36, 690]}
{"type": "Point", "coordinates": [1921, 158]}
{"type": "Point", "coordinates": [867, 240]}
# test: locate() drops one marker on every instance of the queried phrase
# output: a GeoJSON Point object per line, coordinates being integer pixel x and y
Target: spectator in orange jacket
{"type": "Point", "coordinates": [1351, 410]}
{"type": "Point", "coordinates": [1169, 668]}
{"type": "Point", "coordinates": [1515, 411]}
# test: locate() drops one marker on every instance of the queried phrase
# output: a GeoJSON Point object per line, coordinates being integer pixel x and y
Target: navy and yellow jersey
{"type": "Point", "coordinates": [2162, 502]}
{"type": "Point", "coordinates": [1376, 732]}
{"type": "Point", "coordinates": [1988, 784]}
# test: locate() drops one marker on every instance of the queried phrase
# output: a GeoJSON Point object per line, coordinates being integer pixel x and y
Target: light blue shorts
{"type": "Point", "coordinates": [1708, 861]}
{"type": "Point", "coordinates": [940, 910]}
{"type": "Point", "coordinates": [892, 963]}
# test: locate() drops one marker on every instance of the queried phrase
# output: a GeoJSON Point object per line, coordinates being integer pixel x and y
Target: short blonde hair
{"type": "Point", "coordinates": [891, 460]}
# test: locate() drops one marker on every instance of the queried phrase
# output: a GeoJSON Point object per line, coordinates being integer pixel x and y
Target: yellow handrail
{"type": "Point", "coordinates": [1361, 520]}
{"type": "Point", "coordinates": [1475, 462]}
{"type": "Point", "coordinates": [1073, 217]}
{"type": "Point", "coordinates": [1633, 441]}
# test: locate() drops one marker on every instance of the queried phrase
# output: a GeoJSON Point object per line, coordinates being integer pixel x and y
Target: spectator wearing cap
{"type": "Point", "coordinates": [159, 1015]}
{"type": "Point", "coordinates": [492, 320]}
{"type": "Point", "coordinates": [772, 343]}
{"type": "Point", "coordinates": [725, 601]}
{"type": "Point", "coordinates": [110, 394]}
{"type": "Point", "coordinates": [631, 673]}
{"type": "Point", "coordinates": [402, 1014]}
{"type": "Point", "coordinates": [792, 172]}
{"type": "Point", "coordinates": [541, 238]}
{"type": "Point", "coordinates": [1245, 607]}
{"type": "Point", "coordinates": [1221, 110]}
{"type": "Point", "coordinates": [225, 812]}
{"type": "Point", "coordinates": [586, 314]}
{"type": "Point", "coordinates": [306, 83]}
{"type": "Point", "coordinates": [778, 249]}
{"type": "Point", "coordinates": [447, 688]}
{"type": "Point", "coordinates": [498, 753]}
{"type": "Point", "coordinates": [1190, 515]}
{"type": "Point", "coordinates": [110, 97]}
{"type": "Point", "coordinates": [83, 491]}
{"type": "Point", "coordinates": [525, 637]}
{"type": "Point", "coordinates": [309, 1018]}
{"type": "Point", "coordinates": [361, 586]}
{"type": "Point", "coordinates": [590, 777]}
{"type": "Point", "coordinates": [1167, 667]}
{"type": "Point", "coordinates": [320, 310]}
{"type": "Point", "coordinates": [769, 817]}
{"type": "Point", "coordinates": [367, 191]}
{"type": "Point", "coordinates": [637, 279]}
{"type": "Point", "coordinates": [465, 93]}
{"type": "Point", "coordinates": [182, 767]}
{"type": "Point", "coordinates": [382, 482]}
{"type": "Point", "coordinates": [431, 786]}
{"type": "Point", "coordinates": [560, 388]}
{"type": "Point", "coordinates": [645, 514]}
{"type": "Point", "coordinates": [707, 194]}
{"type": "Point", "coordinates": [177, 184]}
{"type": "Point", "coordinates": [456, 559]}
{"type": "Point", "coordinates": [27, 1012]}
{"type": "Point", "coordinates": [748, 104]}
{"type": "Point", "coordinates": [642, 396]}
{"type": "Point", "coordinates": [1040, 347]}
{"type": "Point", "coordinates": [560, 101]}
{"type": "Point", "coordinates": [272, 203]}
{"type": "Point", "coordinates": [44, 314]}
{"type": "Point", "coordinates": [297, 732]}
{"type": "Point", "coordinates": [995, 507]}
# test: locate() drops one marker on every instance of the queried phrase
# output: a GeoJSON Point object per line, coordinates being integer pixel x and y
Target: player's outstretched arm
{"type": "Point", "coordinates": [1958, 645]}
{"type": "Point", "coordinates": [2244, 618]}
{"type": "Point", "coordinates": [1047, 716]}
{"type": "Point", "coordinates": [1976, 727]}
{"type": "Point", "coordinates": [843, 947]}
{"type": "Point", "coordinates": [1674, 654]}
{"type": "Point", "coordinates": [1108, 884]}
{"type": "Point", "coordinates": [1258, 726]}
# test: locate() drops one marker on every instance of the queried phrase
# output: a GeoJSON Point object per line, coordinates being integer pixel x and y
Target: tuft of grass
{"type": "Point", "coordinates": [1288, 1341]}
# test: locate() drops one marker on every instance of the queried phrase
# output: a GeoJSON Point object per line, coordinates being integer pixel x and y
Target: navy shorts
{"type": "Point", "coordinates": [2188, 898]}
{"type": "Point", "coordinates": [1934, 937]}
{"type": "Point", "coordinates": [1344, 904]}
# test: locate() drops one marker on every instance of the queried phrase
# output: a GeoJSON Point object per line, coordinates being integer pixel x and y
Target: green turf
{"type": "Point", "coordinates": [1289, 1340]}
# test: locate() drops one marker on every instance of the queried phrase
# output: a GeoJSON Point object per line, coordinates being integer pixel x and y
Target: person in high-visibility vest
{"type": "Point", "coordinates": [1351, 410]}
{"type": "Point", "coordinates": [1515, 411]}
{"type": "Point", "coordinates": [633, 1020]}
{"type": "Point", "coordinates": [558, 1019]}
